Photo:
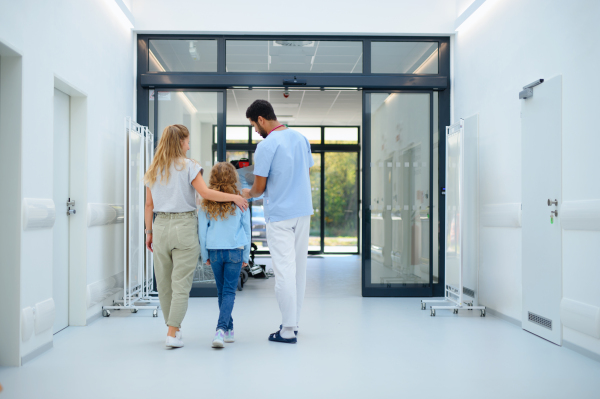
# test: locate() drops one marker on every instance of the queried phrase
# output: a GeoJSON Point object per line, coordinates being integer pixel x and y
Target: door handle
{"type": "Point", "coordinates": [555, 213]}
{"type": "Point", "coordinates": [555, 202]}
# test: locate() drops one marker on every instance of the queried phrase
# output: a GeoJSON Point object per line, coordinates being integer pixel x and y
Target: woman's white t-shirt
{"type": "Point", "coordinates": [178, 195]}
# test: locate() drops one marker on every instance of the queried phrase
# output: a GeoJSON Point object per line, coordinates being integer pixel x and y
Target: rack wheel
{"type": "Point", "coordinates": [240, 284]}
{"type": "Point", "coordinates": [105, 312]}
{"type": "Point", "coordinates": [155, 313]}
{"type": "Point", "coordinates": [244, 276]}
{"type": "Point", "coordinates": [432, 312]}
{"type": "Point", "coordinates": [134, 310]}
{"type": "Point", "coordinates": [423, 306]}
{"type": "Point", "coordinates": [482, 312]}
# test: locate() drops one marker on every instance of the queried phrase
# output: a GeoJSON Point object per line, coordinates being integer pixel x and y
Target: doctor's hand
{"type": "Point", "coordinates": [244, 264]}
{"type": "Point", "coordinates": [246, 193]}
{"type": "Point", "coordinates": [241, 202]}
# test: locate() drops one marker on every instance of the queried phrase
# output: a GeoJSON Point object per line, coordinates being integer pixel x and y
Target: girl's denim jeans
{"type": "Point", "coordinates": [226, 264]}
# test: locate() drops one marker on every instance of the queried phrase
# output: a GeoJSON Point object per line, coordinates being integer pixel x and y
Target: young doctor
{"type": "Point", "coordinates": [281, 167]}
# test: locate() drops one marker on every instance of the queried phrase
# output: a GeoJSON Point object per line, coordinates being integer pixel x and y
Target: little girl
{"type": "Point", "coordinates": [224, 233]}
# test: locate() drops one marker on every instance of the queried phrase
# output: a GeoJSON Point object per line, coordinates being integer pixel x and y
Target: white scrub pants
{"type": "Point", "coordinates": [288, 244]}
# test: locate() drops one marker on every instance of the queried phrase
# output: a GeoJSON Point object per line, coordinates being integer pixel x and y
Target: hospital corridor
{"type": "Point", "coordinates": [299, 200]}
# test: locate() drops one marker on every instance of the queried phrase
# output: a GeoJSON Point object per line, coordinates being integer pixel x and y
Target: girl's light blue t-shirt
{"type": "Point", "coordinates": [284, 158]}
{"type": "Point", "coordinates": [230, 233]}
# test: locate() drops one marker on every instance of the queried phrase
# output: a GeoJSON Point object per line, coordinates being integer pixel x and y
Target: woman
{"type": "Point", "coordinates": [172, 181]}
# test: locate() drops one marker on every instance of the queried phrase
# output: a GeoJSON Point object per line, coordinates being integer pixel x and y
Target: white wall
{"type": "Point", "coordinates": [86, 44]}
{"type": "Point", "coordinates": [311, 16]}
{"type": "Point", "coordinates": [499, 49]}
{"type": "Point", "coordinates": [10, 204]}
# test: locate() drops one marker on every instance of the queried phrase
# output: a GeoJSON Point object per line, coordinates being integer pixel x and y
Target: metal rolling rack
{"type": "Point", "coordinates": [138, 268]}
{"type": "Point", "coordinates": [462, 222]}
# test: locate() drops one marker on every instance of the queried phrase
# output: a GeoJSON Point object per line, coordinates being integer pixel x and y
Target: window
{"type": "Point", "coordinates": [404, 57]}
{"type": "Point", "coordinates": [182, 56]}
{"type": "Point", "coordinates": [341, 135]}
{"type": "Point", "coordinates": [302, 56]}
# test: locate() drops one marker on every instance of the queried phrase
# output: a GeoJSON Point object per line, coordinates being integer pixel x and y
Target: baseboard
{"type": "Point", "coordinates": [502, 316]}
{"type": "Point", "coordinates": [581, 351]}
{"type": "Point", "coordinates": [93, 318]}
{"type": "Point", "coordinates": [47, 346]}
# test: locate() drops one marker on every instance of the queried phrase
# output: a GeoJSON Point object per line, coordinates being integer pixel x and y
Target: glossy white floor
{"type": "Point", "coordinates": [349, 347]}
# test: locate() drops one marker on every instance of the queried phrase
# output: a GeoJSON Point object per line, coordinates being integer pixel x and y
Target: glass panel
{"type": "Point", "coordinates": [341, 202]}
{"type": "Point", "coordinates": [237, 134]}
{"type": "Point", "coordinates": [294, 56]}
{"type": "Point", "coordinates": [314, 240]}
{"type": "Point", "coordinates": [151, 112]}
{"type": "Point", "coordinates": [436, 191]}
{"type": "Point", "coordinates": [400, 131]}
{"type": "Point", "coordinates": [341, 135]}
{"type": "Point", "coordinates": [198, 112]}
{"type": "Point", "coordinates": [183, 56]}
{"type": "Point", "coordinates": [453, 211]}
{"type": "Point", "coordinates": [256, 138]}
{"type": "Point", "coordinates": [313, 134]}
{"type": "Point", "coordinates": [300, 108]}
{"type": "Point", "coordinates": [404, 57]}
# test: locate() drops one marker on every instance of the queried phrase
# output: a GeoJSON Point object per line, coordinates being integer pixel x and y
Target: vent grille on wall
{"type": "Point", "coordinates": [539, 320]}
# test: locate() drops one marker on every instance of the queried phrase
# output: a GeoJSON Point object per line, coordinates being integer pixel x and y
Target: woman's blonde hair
{"type": "Point", "coordinates": [168, 151]}
{"type": "Point", "coordinates": [224, 178]}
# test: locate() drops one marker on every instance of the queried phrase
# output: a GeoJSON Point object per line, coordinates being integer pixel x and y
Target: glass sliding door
{"type": "Point", "coordinates": [202, 113]}
{"type": "Point", "coordinates": [397, 189]}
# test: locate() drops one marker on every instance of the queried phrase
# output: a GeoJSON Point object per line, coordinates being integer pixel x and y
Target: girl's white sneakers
{"type": "Point", "coordinates": [219, 339]}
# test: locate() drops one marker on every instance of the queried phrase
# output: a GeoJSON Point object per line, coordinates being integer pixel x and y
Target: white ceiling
{"type": "Point", "coordinates": [301, 108]}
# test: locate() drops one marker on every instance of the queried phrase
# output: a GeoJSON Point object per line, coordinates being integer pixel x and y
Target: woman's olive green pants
{"type": "Point", "coordinates": [176, 253]}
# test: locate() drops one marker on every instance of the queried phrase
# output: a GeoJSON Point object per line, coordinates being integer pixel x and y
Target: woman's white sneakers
{"type": "Point", "coordinates": [218, 341]}
{"type": "Point", "coordinates": [175, 342]}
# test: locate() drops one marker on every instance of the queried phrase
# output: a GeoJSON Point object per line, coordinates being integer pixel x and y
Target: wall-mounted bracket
{"type": "Point", "coordinates": [528, 90]}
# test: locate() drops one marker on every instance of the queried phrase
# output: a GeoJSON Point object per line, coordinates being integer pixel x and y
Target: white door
{"type": "Point", "coordinates": [60, 260]}
{"type": "Point", "coordinates": [541, 130]}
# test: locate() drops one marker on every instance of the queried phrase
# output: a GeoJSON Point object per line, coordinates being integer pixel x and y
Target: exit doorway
{"type": "Point", "coordinates": [331, 120]}
{"type": "Point", "coordinates": [402, 95]}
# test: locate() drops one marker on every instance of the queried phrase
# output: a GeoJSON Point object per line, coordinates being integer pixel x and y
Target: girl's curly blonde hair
{"type": "Point", "coordinates": [224, 178]}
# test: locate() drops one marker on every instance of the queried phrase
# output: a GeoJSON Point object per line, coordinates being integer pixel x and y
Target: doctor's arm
{"type": "Point", "coordinates": [260, 183]}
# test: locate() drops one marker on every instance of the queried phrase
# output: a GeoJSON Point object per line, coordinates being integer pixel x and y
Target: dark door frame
{"type": "Point", "coordinates": [391, 289]}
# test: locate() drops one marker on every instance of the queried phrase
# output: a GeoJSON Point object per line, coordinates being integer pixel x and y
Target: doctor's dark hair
{"type": "Point", "coordinates": [260, 108]}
